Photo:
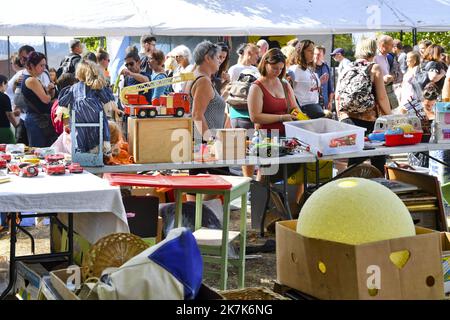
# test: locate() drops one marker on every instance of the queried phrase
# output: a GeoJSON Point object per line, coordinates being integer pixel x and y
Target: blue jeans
{"type": "Point", "coordinates": [40, 131]}
{"type": "Point", "coordinates": [3, 219]}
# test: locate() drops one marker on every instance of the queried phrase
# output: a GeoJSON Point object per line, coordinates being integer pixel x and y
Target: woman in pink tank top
{"type": "Point", "coordinates": [267, 102]}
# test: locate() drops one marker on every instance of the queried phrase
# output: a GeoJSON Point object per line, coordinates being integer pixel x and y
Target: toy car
{"type": "Point", "coordinates": [54, 168]}
{"type": "Point", "coordinates": [5, 156]}
{"type": "Point", "coordinates": [30, 158]}
{"type": "Point", "coordinates": [54, 158]}
{"type": "Point", "coordinates": [2, 163]}
{"type": "Point", "coordinates": [41, 153]}
{"type": "Point", "coordinates": [2, 147]}
{"type": "Point", "coordinates": [23, 169]}
{"type": "Point", "coordinates": [75, 168]}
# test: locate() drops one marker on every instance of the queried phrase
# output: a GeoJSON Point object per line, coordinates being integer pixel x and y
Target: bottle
{"type": "Point", "coordinates": [434, 132]}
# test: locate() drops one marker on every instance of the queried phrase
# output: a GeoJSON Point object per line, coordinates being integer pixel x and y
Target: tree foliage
{"type": "Point", "coordinates": [440, 38]}
{"type": "Point", "coordinates": [93, 43]}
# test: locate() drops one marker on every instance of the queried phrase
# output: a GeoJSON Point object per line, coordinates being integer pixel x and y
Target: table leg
{"type": "Point", "coordinates": [224, 247]}
{"type": "Point", "coordinates": [178, 208]}
{"type": "Point", "coordinates": [12, 257]}
{"type": "Point", "coordinates": [266, 206]}
{"type": "Point", "coordinates": [243, 241]}
{"type": "Point", "coordinates": [285, 193]}
{"type": "Point", "coordinates": [198, 210]}
{"type": "Point", "coordinates": [70, 236]}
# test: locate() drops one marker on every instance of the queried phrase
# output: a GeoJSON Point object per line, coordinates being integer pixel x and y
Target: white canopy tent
{"type": "Point", "coordinates": [217, 18]}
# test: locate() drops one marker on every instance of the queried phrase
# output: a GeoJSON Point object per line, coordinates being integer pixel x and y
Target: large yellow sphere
{"type": "Point", "coordinates": [354, 211]}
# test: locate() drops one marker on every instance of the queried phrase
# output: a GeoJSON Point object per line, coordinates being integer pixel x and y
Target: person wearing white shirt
{"type": "Point", "coordinates": [306, 82]}
{"type": "Point", "coordinates": [183, 57]}
{"type": "Point", "coordinates": [385, 46]}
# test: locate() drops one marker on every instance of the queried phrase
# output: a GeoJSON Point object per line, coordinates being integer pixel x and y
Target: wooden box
{"type": "Point", "coordinates": [160, 140]}
{"type": "Point", "coordinates": [230, 144]}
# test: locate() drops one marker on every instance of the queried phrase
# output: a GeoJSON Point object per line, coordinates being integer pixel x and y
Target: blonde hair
{"type": "Point", "coordinates": [366, 49]}
{"type": "Point", "coordinates": [89, 73]}
{"type": "Point", "coordinates": [289, 52]}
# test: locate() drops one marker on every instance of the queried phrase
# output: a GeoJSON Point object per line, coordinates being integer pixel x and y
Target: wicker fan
{"type": "Point", "coordinates": [363, 170]}
{"type": "Point", "coordinates": [113, 251]}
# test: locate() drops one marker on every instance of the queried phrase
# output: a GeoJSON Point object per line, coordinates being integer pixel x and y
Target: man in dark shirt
{"type": "Point", "coordinates": [327, 88]}
{"type": "Point", "coordinates": [149, 44]}
{"type": "Point", "coordinates": [69, 63]}
{"type": "Point", "coordinates": [133, 73]}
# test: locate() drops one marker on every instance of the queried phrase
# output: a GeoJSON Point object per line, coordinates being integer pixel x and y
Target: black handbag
{"type": "Point", "coordinates": [313, 110]}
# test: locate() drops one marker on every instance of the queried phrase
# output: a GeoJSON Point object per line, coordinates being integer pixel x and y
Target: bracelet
{"type": "Point", "coordinates": [281, 118]}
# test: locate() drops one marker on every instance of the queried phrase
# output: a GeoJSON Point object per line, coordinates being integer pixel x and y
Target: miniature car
{"type": "Point", "coordinates": [54, 168]}
{"type": "Point", "coordinates": [30, 158]}
{"type": "Point", "coordinates": [2, 147]}
{"type": "Point", "coordinates": [5, 156]}
{"type": "Point", "coordinates": [54, 157]}
{"type": "Point", "coordinates": [41, 153]}
{"type": "Point", "coordinates": [75, 168]}
{"type": "Point", "coordinates": [23, 169]}
{"type": "Point", "coordinates": [2, 163]}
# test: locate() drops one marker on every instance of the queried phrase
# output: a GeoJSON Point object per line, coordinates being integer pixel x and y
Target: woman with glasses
{"type": "Point", "coordinates": [156, 62]}
{"type": "Point", "coordinates": [133, 74]}
{"type": "Point", "coordinates": [267, 101]}
{"type": "Point", "coordinates": [208, 107]}
{"type": "Point", "coordinates": [270, 102]}
{"type": "Point", "coordinates": [183, 58]}
{"type": "Point", "coordinates": [306, 82]}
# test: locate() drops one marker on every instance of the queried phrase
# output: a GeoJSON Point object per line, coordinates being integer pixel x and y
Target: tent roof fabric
{"type": "Point", "coordinates": [217, 18]}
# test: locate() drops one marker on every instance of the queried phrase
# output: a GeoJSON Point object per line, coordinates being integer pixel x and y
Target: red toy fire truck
{"type": "Point", "coordinates": [173, 104]}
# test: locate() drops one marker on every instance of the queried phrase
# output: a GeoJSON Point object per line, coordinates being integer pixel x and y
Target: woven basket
{"type": "Point", "coordinates": [112, 251]}
{"type": "Point", "coordinates": [259, 293]}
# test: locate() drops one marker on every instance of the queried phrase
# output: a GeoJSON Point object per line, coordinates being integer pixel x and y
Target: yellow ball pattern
{"type": "Point", "coordinates": [354, 211]}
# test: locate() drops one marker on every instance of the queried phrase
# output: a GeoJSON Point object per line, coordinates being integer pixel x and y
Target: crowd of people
{"type": "Point", "coordinates": [36, 100]}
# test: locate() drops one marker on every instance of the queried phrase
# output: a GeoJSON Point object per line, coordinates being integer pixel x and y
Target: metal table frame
{"type": "Point", "coordinates": [34, 257]}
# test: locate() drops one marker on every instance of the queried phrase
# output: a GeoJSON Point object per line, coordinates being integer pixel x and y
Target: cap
{"type": "Point", "coordinates": [338, 50]}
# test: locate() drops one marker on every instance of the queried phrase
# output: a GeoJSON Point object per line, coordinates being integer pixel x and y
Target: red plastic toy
{"type": "Point", "coordinates": [5, 156]}
{"type": "Point", "coordinates": [54, 168]}
{"type": "Point", "coordinates": [2, 163]}
{"type": "Point", "coordinates": [23, 169]}
{"type": "Point", "coordinates": [2, 147]}
{"type": "Point", "coordinates": [174, 104]}
{"type": "Point", "coordinates": [51, 158]}
{"type": "Point", "coordinates": [75, 168]}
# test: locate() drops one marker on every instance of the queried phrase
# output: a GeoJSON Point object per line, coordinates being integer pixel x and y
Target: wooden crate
{"type": "Point", "coordinates": [151, 141]}
{"type": "Point", "coordinates": [230, 144]}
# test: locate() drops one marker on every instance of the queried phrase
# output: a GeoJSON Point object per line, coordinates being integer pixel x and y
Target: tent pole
{"type": "Point", "coordinates": [9, 58]}
{"type": "Point", "coordinates": [401, 35]}
{"type": "Point", "coordinates": [414, 34]}
{"type": "Point", "coordinates": [45, 47]}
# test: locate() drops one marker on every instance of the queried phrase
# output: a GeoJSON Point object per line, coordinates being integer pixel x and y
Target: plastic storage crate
{"type": "Point", "coordinates": [442, 122]}
{"type": "Point", "coordinates": [326, 136]}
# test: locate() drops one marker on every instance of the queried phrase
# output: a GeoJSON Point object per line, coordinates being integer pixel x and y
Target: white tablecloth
{"type": "Point", "coordinates": [100, 203]}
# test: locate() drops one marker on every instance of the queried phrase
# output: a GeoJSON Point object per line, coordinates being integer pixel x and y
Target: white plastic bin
{"type": "Point", "coordinates": [327, 136]}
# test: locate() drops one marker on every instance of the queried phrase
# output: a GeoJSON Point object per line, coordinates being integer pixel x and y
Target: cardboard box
{"type": "Point", "coordinates": [332, 270]}
{"type": "Point", "coordinates": [160, 140]}
{"type": "Point", "coordinates": [445, 238]}
{"type": "Point", "coordinates": [230, 144]}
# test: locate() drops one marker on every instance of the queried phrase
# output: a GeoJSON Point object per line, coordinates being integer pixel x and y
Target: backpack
{"type": "Point", "coordinates": [67, 65]}
{"type": "Point", "coordinates": [355, 88]}
{"type": "Point", "coordinates": [239, 90]}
